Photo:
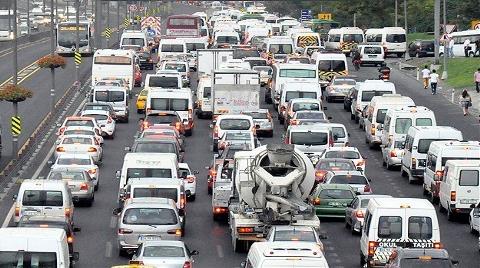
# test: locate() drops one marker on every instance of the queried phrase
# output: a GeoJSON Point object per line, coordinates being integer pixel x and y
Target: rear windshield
{"type": "Point", "coordinates": [349, 179]}
{"type": "Point", "coordinates": [42, 198]}
{"type": "Point", "coordinates": [170, 193]}
{"type": "Point", "coordinates": [74, 161]}
{"type": "Point", "coordinates": [402, 125]}
{"type": "Point", "coordinates": [339, 132]}
{"type": "Point", "coordinates": [342, 154]}
{"type": "Point", "coordinates": [149, 173]}
{"type": "Point", "coordinates": [154, 147]}
{"type": "Point", "coordinates": [331, 65]}
{"type": "Point", "coordinates": [78, 132]}
{"type": "Point", "coordinates": [172, 48]}
{"type": "Point", "coordinates": [396, 38]}
{"type": "Point", "coordinates": [298, 73]}
{"type": "Point", "coordinates": [99, 117]}
{"type": "Point", "coordinates": [244, 53]}
{"type": "Point", "coordinates": [76, 140]}
{"type": "Point", "coordinates": [14, 259]}
{"type": "Point", "coordinates": [309, 138]}
{"type": "Point", "coordinates": [175, 67]}
{"type": "Point", "coordinates": [468, 178]}
{"type": "Point", "coordinates": [305, 106]}
{"type": "Point", "coordinates": [335, 165]}
{"type": "Point", "coordinates": [368, 95]}
{"type": "Point", "coordinates": [81, 123]}
{"type": "Point", "coordinates": [357, 38]}
{"type": "Point", "coordinates": [235, 124]}
{"type": "Point", "coordinates": [169, 104]}
{"type": "Point", "coordinates": [340, 82]}
{"type": "Point", "coordinates": [66, 175]}
{"type": "Point", "coordinates": [335, 194]}
{"type": "Point", "coordinates": [390, 227]}
{"type": "Point", "coordinates": [227, 39]}
{"type": "Point", "coordinates": [109, 96]}
{"type": "Point", "coordinates": [150, 216]}
{"type": "Point", "coordinates": [293, 235]}
{"type": "Point", "coordinates": [164, 82]}
{"type": "Point", "coordinates": [299, 94]}
{"type": "Point", "coordinates": [238, 136]}
{"type": "Point", "coordinates": [310, 116]}
{"type": "Point", "coordinates": [161, 119]}
{"type": "Point", "coordinates": [280, 49]}
{"type": "Point", "coordinates": [163, 252]}
{"type": "Point", "coordinates": [372, 50]}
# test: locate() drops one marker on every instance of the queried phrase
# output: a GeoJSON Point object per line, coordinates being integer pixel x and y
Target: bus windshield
{"type": "Point", "coordinates": [298, 73]}
{"type": "Point", "coordinates": [4, 22]}
{"type": "Point", "coordinates": [113, 60]}
{"type": "Point", "coordinates": [67, 35]}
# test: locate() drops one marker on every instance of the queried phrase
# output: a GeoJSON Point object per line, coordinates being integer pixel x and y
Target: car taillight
{"type": "Point", "coordinates": [83, 187]}
{"type": "Point", "coordinates": [190, 113]}
{"type": "Point", "coordinates": [393, 153]}
{"type": "Point", "coordinates": [124, 231]}
{"type": "Point", "coordinates": [319, 174]}
{"type": "Point", "coordinates": [92, 149]}
{"type": "Point", "coordinates": [371, 248]}
{"type": "Point", "coordinates": [109, 121]}
{"type": "Point", "coordinates": [367, 189]}
{"type": "Point", "coordinates": [213, 173]}
{"type": "Point", "coordinates": [190, 179]}
{"type": "Point", "coordinates": [293, 122]}
{"type": "Point", "coordinates": [178, 126]}
{"type": "Point", "coordinates": [60, 149]}
{"type": "Point", "coordinates": [215, 132]}
{"type": "Point", "coordinates": [372, 130]}
{"type": "Point", "coordinates": [183, 201]}
{"type": "Point", "coordinates": [315, 201]}
{"type": "Point", "coordinates": [453, 196]}
{"type": "Point", "coordinates": [177, 232]}
{"type": "Point", "coordinates": [220, 210]}
{"type": "Point", "coordinates": [244, 230]}
{"type": "Point", "coordinates": [414, 163]}
{"type": "Point", "coordinates": [92, 171]}
{"type": "Point", "coordinates": [70, 239]}
{"type": "Point", "coordinates": [17, 211]}
{"type": "Point", "coordinates": [437, 245]}
{"type": "Point", "coordinates": [68, 212]}
{"type": "Point", "coordinates": [359, 214]}
{"type": "Point", "coordinates": [187, 264]}
{"type": "Point", "coordinates": [438, 175]}
{"type": "Point", "coordinates": [360, 163]}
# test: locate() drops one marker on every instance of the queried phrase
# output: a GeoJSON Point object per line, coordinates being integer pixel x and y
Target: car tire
{"type": "Point", "coordinates": [89, 203]}
{"type": "Point", "coordinates": [433, 199]}
{"type": "Point", "coordinates": [209, 191]}
{"type": "Point", "coordinates": [362, 260]}
{"type": "Point", "coordinates": [352, 230]}
{"type": "Point", "coordinates": [403, 173]}
{"type": "Point", "coordinates": [352, 116]}
{"type": "Point", "coordinates": [269, 134]}
{"type": "Point", "coordinates": [470, 223]}
{"type": "Point", "coordinates": [96, 187]}
{"type": "Point", "coordinates": [239, 246]}
{"type": "Point", "coordinates": [357, 119]}
{"type": "Point", "coordinates": [451, 216]}
{"type": "Point", "coordinates": [192, 198]}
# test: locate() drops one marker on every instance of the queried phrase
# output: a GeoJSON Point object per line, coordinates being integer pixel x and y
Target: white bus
{"type": "Point", "coordinates": [67, 37]}
{"type": "Point", "coordinates": [460, 37]}
{"type": "Point", "coordinates": [114, 63]}
{"type": "Point", "coordinates": [6, 33]}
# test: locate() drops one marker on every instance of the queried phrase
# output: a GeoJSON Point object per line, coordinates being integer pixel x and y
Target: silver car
{"type": "Point", "coordinates": [392, 153]}
{"type": "Point", "coordinates": [142, 219]}
{"type": "Point", "coordinates": [79, 181]}
{"type": "Point", "coordinates": [339, 88]}
{"type": "Point", "coordinates": [355, 179]}
{"type": "Point", "coordinates": [294, 233]}
{"type": "Point", "coordinates": [164, 253]}
{"type": "Point", "coordinates": [355, 211]}
{"type": "Point", "coordinates": [263, 119]}
{"type": "Point", "coordinates": [84, 161]}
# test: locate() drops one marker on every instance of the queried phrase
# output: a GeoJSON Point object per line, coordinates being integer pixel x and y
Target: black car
{"type": "Point", "coordinates": [419, 257]}
{"type": "Point", "coordinates": [41, 221]}
{"type": "Point", "coordinates": [145, 60]}
{"type": "Point", "coordinates": [421, 48]}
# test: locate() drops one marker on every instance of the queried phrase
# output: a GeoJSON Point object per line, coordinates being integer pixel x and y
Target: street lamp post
{"type": "Point", "coordinates": [77, 41]}
{"type": "Point", "coordinates": [396, 13]}
{"type": "Point", "coordinates": [407, 56]}
{"type": "Point", "coordinates": [15, 72]}
{"type": "Point", "coordinates": [28, 17]}
{"type": "Point", "coordinates": [445, 45]}
{"type": "Point", "coordinates": [436, 29]}
{"type": "Point", "coordinates": [52, 51]}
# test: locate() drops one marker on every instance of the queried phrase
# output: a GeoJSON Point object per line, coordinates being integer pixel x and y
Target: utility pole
{"type": "Point", "coordinates": [407, 57]}
{"type": "Point", "coordinates": [118, 22]}
{"type": "Point", "coordinates": [436, 29]}
{"type": "Point", "coordinates": [445, 45]}
{"type": "Point", "coordinates": [396, 13]}
{"type": "Point", "coordinates": [15, 71]}
{"type": "Point", "coordinates": [354, 19]}
{"type": "Point", "coordinates": [28, 17]}
{"type": "Point", "coordinates": [98, 17]}
{"type": "Point", "coordinates": [52, 51]}
{"type": "Point", "coordinates": [108, 22]}
{"type": "Point", "coordinates": [77, 40]}
{"type": "Point", "coordinates": [10, 16]}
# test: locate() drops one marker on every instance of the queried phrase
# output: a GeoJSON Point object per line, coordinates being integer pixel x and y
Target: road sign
{"type": "Point", "coordinates": [324, 16]}
{"type": "Point", "coordinates": [16, 125]}
{"type": "Point", "coordinates": [141, 8]}
{"type": "Point", "coordinates": [78, 58]}
{"type": "Point", "coordinates": [126, 22]}
{"type": "Point", "coordinates": [107, 33]}
{"type": "Point", "coordinates": [132, 7]}
{"type": "Point", "coordinates": [475, 24]}
{"type": "Point", "coordinates": [305, 14]}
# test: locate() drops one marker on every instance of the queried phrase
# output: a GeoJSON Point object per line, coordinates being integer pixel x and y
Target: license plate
{"type": "Point", "coordinates": [334, 204]}
{"type": "Point", "coordinates": [468, 201]}
{"type": "Point", "coordinates": [372, 56]}
{"type": "Point", "coordinates": [30, 212]}
{"type": "Point", "coordinates": [149, 238]}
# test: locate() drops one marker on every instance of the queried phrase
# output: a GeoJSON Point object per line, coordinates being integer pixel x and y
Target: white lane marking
{"type": "Point", "coordinates": [44, 162]}
{"type": "Point", "coordinates": [113, 222]}
{"type": "Point", "coordinates": [108, 250]}
{"type": "Point", "coordinates": [220, 251]}
{"type": "Point", "coordinates": [9, 216]}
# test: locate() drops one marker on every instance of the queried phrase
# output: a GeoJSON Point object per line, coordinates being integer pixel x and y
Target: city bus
{"type": "Point", "coordinates": [67, 36]}
{"type": "Point", "coordinates": [6, 32]}
{"type": "Point", "coordinates": [183, 25]}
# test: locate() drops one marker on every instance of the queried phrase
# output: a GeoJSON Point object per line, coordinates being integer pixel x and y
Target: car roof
{"type": "Point", "coordinates": [164, 243]}
{"type": "Point", "coordinates": [95, 112]}
{"type": "Point", "coordinates": [335, 186]}
{"type": "Point", "coordinates": [306, 128]}
{"type": "Point", "coordinates": [339, 149]}
{"type": "Point", "coordinates": [347, 172]}
{"type": "Point", "coordinates": [75, 155]}
{"type": "Point", "coordinates": [150, 202]}
{"type": "Point", "coordinates": [292, 227]}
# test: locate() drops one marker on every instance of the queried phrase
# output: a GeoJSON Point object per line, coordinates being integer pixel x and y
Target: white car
{"type": "Point", "coordinates": [106, 122]}
{"type": "Point", "coordinates": [83, 161]}
{"type": "Point", "coordinates": [287, 233]}
{"type": "Point", "coordinates": [237, 137]}
{"type": "Point", "coordinates": [392, 153]}
{"type": "Point", "coordinates": [90, 131]}
{"type": "Point", "coordinates": [79, 144]}
{"type": "Point", "coordinates": [189, 179]}
{"type": "Point", "coordinates": [355, 179]}
{"type": "Point", "coordinates": [230, 122]}
{"type": "Point", "coordinates": [158, 252]}
{"type": "Point", "coordinates": [351, 153]}
{"type": "Point", "coordinates": [474, 220]}
{"type": "Point", "coordinates": [179, 66]}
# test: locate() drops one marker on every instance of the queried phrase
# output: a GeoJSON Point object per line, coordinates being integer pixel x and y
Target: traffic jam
{"type": "Point", "coordinates": [280, 164]}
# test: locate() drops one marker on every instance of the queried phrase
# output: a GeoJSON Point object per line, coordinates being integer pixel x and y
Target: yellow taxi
{"type": "Point", "coordinates": [142, 101]}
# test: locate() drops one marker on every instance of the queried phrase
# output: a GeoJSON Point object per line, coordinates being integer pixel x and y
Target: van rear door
{"type": "Point", "coordinates": [468, 189]}
{"type": "Point", "coordinates": [42, 202]}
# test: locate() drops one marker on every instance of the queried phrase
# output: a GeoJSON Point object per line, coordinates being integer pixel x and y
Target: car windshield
{"type": "Point", "coordinates": [98, 117]}
{"type": "Point", "coordinates": [163, 252]}
{"type": "Point", "coordinates": [425, 263]}
{"type": "Point", "coordinates": [305, 106]}
{"type": "Point", "coordinates": [17, 259]}
{"type": "Point", "coordinates": [298, 73]}
{"type": "Point", "coordinates": [74, 161]}
{"type": "Point", "coordinates": [335, 194]}
{"type": "Point", "coordinates": [336, 165]}
{"type": "Point", "coordinates": [76, 140]}
{"type": "Point", "coordinates": [238, 136]}
{"type": "Point", "coordinates": [338, 132]}
{"type": "Point", "coordinates": [300, 115]}
{"type": "Point", "coordinates": [170, 193]}
{"type": "Point", "coordinates": [294, 235]}
{"type": "Point", "coordinates": [309, 138]}
{"type": "Point", "coordinates": [66, 175]}
{"type": "Point", "coordinates": [235, 124]}
{"type": "Point", "coordinates": [163, 81]}
{"type": "Point", "coordinates": [79, 123]}
{"type": "Point", "coordinates": [150, 216]}
{"type": "Point", "coordinates": [424, 145]}
{"type": "Point", "coordinates": [149, 173]}
{"type": "Point", "coordinates": [349, 179]}
{"type": "Point", "coordinates": [109, 95]}
{"type": "Point", "coordinates": [368, 95]}
{"type": "Point", "coordinates": [342, 154]}
{"type": "Point", "coordinates": [154, 147]}
{"type": "Point", "coordinates": [299, 94]}
{"type": "Point", "coordinates": [161, 119]}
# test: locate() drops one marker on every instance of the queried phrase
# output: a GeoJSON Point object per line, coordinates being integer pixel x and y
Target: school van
{"type": "Point", "coordinates": [459, 188]}
{"type": "Point", "coordinates": [392, 39]}
{"type": "Point", "coordinates": [146, 165]}
{"type": "Point", "coordinates": [344, 39]}
{"type": "Point", "coordinates": [329, 65]}
{"type": "Point", "coordinates": [364, 92]}
{"type": "Point", "coordinates": [304, 39]}
{"type": "Point", "coordinates": [35, 247]}
{"type": "Point", "coordinates": [171, 48]}
{"type": "Point", "coordinates": [279, 47]}
{"type": "Point", "coordinates": [438, 155]}
{"type": "Point", "coordinates": [285, 254]}
{"type": "Point", "coordinates": [204, 97]}
{"type": "Point", "coordinates": [116, 96]}
{"type": "Point", "coordinates": [177, 100]}
{"type": "Point", "coordinates": [375, 115]}
{"type": "Point", "coordinates": [295, 90]}
{"type": "Point", "coordinates": [417, 143]}
{"type": "Point", "coordinates": [44, 197]}
{"type": "Point", "coordinates": [371, 54]}
{"type": "Point", "coordinates": [397, 222]}
{"type": "Point", "coordinates": [133, 38]}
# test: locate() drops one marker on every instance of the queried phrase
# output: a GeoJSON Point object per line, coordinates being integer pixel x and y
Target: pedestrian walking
{"type": "Point", "coordinates": [434, 81]}
{"type": "Point", "coordinates": [466, 47]}
{"type": "Point", "coordinates": [425, 76]}
{"type": "Point", "coordinates": [450, 48]}
{"type": "Point", "coordinates": [476, 78]}
{"type": "Point", "coordinates": [477, 48]}
{"type": "Point", "coordinates": [465, 102]}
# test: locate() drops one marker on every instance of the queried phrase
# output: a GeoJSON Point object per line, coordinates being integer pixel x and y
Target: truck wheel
{"type": "Point", "coordinates": [362, 260]}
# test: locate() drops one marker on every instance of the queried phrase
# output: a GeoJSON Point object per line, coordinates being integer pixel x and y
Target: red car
{"type": "Point", "coordinates": [138, 76]}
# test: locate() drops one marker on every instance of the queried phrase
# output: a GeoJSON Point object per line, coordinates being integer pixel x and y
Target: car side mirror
{"type": "Point", "coordinates": [77, 229]}
{"type": "Point", "coordinates": [14, 197]}
{"type": "Point", "coordinates": [322, 236]}
{"type": "Point", "coordinates": [116, 211]}
{"type": "Point", "coordinates": [349, 134]}
{"type": "Point", "coordinates": [127, 148]}
{"type": "Point", "coordinates": [329, 117]}
{"type": "Point", "coordinates": [117, 174]}
{"type": "Point", "coordinates": [215, 155]}
{"type": "Point", "coordinates": [243, 264]}
{"type": "Point", "coordinates": [325, 108]}
{"type": "Point", "coordinates": [194, 252]}
{"type": "Point", "coordinates": [195, 172]}
{"type": "Point", "coordinates": [359, 168]}
{"type": "Point", "coordinates": [75, 256]}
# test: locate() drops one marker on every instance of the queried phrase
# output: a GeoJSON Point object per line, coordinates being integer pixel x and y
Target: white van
{"type": "Point", "coordinates": [133, 38]}
{"type": "Point", "coordinates": [294, 90]}
{"type": "Point", "coordinates": [285, 254]}
{"type": "Point", "coordinates": [459, 188]}
{"type": "Point", "coordinates": [329, 65]}
{"type": "Point", "coordinates": [279, 47]}
{"type": "Point", "coordinates": [117, 63]}
{"type": "Point", "coordinates": [438, 155]}
{"type": "Point", "coordinates": [147, 165]}
{"type": "Point", "coordinates": [226, 38]}
{"type": "Point", "coordinates": [43, 197]}
{"type": "Point", "coordinates": [344, 38]}
{"type": "Point", "coordinates": [171, 48]}
{"type": "Point", "coordinates": [393, 39]}
{"type": "Point", "coordinates": [340, 135]}
{"type": "Point", "coordinates": [375, 115]}
{"type": "Point", "coordinates": [371, 54]}
{"type": "Point", "coordinates": [417, 144]}
{"type": "Point", "coordinates": [364, 92]}
{"type": "Point", "coordinates": [460, 37]}
{"type": "Point", "coordinates": [178, 100]}
{"type": "Point", "coordinates": [116, 96]}
{"type": "Point", "coordinates": [310, 139]}
{"type": "Point", "coordinates": [397, 222]}
{"type": "Point", "coordinates": [35, 247]}
{"type": "Point", "coordinates": [204, 97]}
{"type": "Point", "coordinates": [303, 39]}
{"type": "Point", "coordinates": [289, 72]}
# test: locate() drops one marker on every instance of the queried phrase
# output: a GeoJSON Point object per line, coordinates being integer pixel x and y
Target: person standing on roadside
{"type": "Point", "coordinates": [477, 48]}
{"type": "Point", "coordinates": [425, 76]}
{"type": "Point", "coordinates": [466, 47]}
{"type": "Point", "coordinates": [450, 48]}
{"type": "Point", "coordinates": [476, 78]}
{"type": "Point", "coordinates": [465, 102]}
{"type": "Point", "coordinates": [434, 81]}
